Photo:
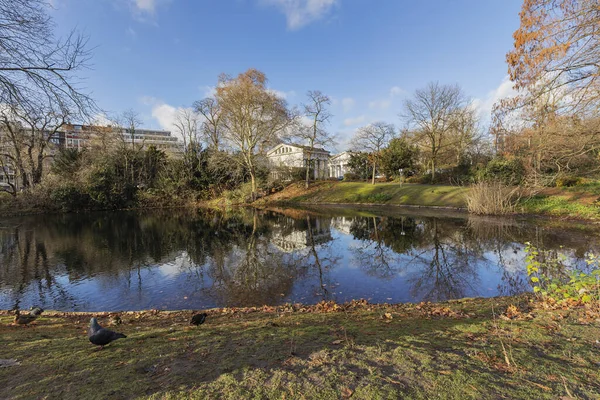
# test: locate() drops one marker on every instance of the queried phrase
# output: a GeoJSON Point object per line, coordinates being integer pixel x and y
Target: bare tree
{"type": "Point", "coordinates": [124, 130]}
{"type": "Point", "coordinates": [186, 124]}
{"type": "Point", "coordinates": [313, 133]}
{"type": "Point", "coordinates": [127, 122]}
{"type": "Point", "coordinates": [433, 112]}
{"type": "Point", "coordinates": [373, 139]}
{"type": "Point", "coordinates": [36, 68]}
{"type": "Point", "coordinates": [212, 126]}
{"type": "Point", "coordinates": [27, 137]}
{"type": "Point", "coordinates": [252, 116]}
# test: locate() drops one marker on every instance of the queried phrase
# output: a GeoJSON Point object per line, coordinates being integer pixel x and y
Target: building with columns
{"type": "Point", "coordinates": [288, 156]}
{"type": "Point", "coordinates": [339, 164]}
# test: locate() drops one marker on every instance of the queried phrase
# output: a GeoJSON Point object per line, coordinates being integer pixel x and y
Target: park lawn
{"type": "Point", "coordinates": [478, 348]}
{"type": "Point", "coordinates": [579, 203]}
{"type": "Point", "coordinates": [329, 192]}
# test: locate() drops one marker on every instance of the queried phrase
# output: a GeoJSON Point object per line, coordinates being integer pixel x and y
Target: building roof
{"type": "Point", "coordinates": [298, 146]}
{"type": "Point", "coordinates": [341, 154]}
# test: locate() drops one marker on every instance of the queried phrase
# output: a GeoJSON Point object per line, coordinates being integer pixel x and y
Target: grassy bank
{"type": "Point", "coordinates": [381, 193]}
{"type": "Point", "coordinates": [574, 203]}
{"type": "Point", "coordinates": [466, 349]}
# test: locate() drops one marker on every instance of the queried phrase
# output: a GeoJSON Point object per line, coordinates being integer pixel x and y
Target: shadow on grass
{"type": "Point", "coordinates": [314, 354]}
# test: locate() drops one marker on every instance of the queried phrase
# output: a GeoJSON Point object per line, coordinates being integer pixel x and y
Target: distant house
{"type": "Point", "coordinates": [339, 164]}
{"type": "Point", "coordinates": [287, 156]}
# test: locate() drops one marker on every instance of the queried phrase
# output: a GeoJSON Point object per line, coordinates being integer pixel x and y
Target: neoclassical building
{"type": "Point", "coordinates": [339, 164]}
{"type": "Point", "coordinates": [286, 156]}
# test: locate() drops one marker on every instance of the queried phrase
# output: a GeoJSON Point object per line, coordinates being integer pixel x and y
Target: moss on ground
{"type": "Point", "coordinates": [462, 349]}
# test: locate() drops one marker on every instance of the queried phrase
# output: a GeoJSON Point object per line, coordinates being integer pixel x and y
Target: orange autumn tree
{"type": "Point", "coordinates": [552, 124]}
{"type": "Point", "coordinates": [557, 50]}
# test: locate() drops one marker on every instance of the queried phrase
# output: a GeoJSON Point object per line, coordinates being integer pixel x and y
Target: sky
{"type": "Point", "coordinates": [368, 56]}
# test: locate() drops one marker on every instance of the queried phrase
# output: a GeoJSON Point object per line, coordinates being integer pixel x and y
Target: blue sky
{"type": "Point", "coordinates": [368, 55]}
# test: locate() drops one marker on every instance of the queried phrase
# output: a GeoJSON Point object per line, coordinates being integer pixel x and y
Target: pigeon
{"type": "Point", "coordinates": [37, 311]}
{"type": "Point", "coordinates": [21, 319]}
{"type": "Point", "coordinates": [101, 336]}
{"type": "Point", "coordinates": [198, 319]}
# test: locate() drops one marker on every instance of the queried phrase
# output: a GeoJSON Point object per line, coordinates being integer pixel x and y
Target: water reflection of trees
{"type": "Point", "coordinates": [245, 257]}
{"type": "Point", "coordinates": [448, 263]}
{"type": "Point", "coordinates": [442, 258]}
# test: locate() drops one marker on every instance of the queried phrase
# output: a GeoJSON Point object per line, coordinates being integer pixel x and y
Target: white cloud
{"type": "Point", "coordinates": [397, 91]}
{"type": "Point", "coordinates": [302, 12]}
{"type": "Point", "coordinates": [148, 6]}
{"type": "Point", "coordinates": [208, 91]}
{"type": "Point", "coordinates": [485, 106]}
{"type": "Point", "coordinates": [101, 119]}
{"type": "Point", "coordinates": [348, 104]}
{"type": "Point", "coordinates": [385, 103]}
{"type": "Point", "coordinates": [283, 95]}
{"type": "Point", "coordinates": [164, 114]}
{"type": "Point", "coordinates": [146, 10]}
{"type": "Point", "coordinates": [131, 32]}
{"type": "Point", "coordinates": [381, 104]}
{"type": "Point", "coordinates": [354, 121]}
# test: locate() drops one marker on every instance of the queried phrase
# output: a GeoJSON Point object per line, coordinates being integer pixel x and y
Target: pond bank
{"type": "Point", "coordinates": [472, 348]}
{"type": "Point", "coordinates": [568, 203]}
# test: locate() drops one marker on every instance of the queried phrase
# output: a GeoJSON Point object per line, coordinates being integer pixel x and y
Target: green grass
{"type": "Point", "coordinates": [386, 193]}
{"type": "Point", "coordinates": [559, 206]}
{"type": "Point", "coordinates": [446, 351]}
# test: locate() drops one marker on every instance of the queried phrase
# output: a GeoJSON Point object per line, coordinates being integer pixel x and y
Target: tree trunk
{"type": "Point", "coordinates": [374, 168]}
{"type": "Point", "coordinates": [432, 170]}
{"type": "Point", "coordinates": [253, 180]}
{"type": "Point", "coordinates": [307, 183]}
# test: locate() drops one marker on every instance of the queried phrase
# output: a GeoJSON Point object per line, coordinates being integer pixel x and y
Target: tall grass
{"type": "Point", "coordinates": [492, 198]}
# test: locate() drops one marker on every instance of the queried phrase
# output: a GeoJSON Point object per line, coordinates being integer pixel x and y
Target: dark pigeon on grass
{"type": "Point", "coordinates": [101, 336]}
{"type": "Point", "coordinates": [198, 319]}
{"type": "Point", "coordinates": [25, 319]}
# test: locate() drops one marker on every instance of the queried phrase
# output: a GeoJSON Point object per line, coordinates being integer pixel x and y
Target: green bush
{"type": "Point", "coordinates": [69, 197]}
{"type": "Point", "coordinates": [351, 177]}
{"type": "Point", "coordinates": [551, 276]}
{"type": "Point", "coordinates": [568, 181]}
{"type": "Point", "coordinates": [509, 171]}
{"type": "Point", "coordinates": [243, 194]}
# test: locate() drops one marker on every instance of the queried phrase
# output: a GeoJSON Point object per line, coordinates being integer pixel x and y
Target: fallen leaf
{"type": "Point", "coordinates": [347, 393]}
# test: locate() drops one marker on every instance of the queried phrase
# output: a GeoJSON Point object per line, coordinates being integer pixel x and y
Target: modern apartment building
{"type": "Point", "coordinates": [81, 136]}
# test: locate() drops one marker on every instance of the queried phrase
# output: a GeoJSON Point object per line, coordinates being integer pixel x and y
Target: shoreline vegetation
{"type": "Point", "coordinates": [565, 203]}
{"type": "Point", "coordinates": [570, 203]}
{"type": "Point", "coordinates": [505, 347]}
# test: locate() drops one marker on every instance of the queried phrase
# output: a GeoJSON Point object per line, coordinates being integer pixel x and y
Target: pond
{"type": "Point", "coordinates": [194, 259]}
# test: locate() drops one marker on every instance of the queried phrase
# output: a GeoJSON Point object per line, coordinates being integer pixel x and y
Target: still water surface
{"type": "Point", "coordinates": [182, 259]}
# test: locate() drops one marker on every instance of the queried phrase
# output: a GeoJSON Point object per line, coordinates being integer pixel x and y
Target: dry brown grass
{"type": "Point", "coordinates": [493, 198]}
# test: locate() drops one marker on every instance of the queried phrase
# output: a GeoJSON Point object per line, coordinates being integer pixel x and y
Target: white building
{"type": "Point", "coordinates": [339, 164]}
{"type": "Point", "coordinates": [297, 238]}
{"type": "Point", "coordinates": [287, 155]}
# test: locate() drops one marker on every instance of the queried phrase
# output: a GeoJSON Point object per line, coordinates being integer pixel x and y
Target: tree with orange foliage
{"type": "Point", "coordinates": [557, 50]}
